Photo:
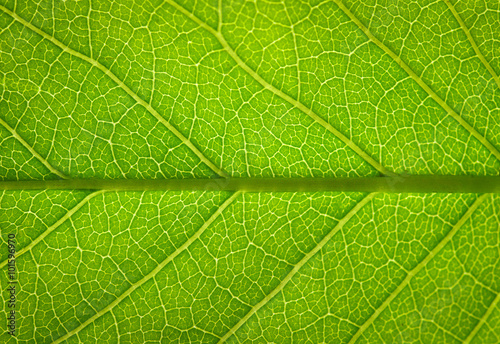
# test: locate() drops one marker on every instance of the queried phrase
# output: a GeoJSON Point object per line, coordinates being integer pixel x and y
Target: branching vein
{"type": "Point", "coordinates": [119, 82]}
{"type": "Point", "coordinates": [32, 150]}
{"type": "Point", "coordinates": [420, 82]}
{"type": "Point", "coordinates": [153, 273]}
{"type": "Point", "coordinates": [55, 225]}
{"type": "Point", "coordinates": [485, 317]}
{"type": "Point", "coordinates": [418, 268]}
{"type": "Point", "coordinates": [377, 165]}
{"type": "Point", "coordinates": [297, 267]}
{"type": "Point", "coordinates": [473, 42]}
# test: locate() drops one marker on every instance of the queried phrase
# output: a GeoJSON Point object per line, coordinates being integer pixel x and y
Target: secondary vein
{"type": "Point", "coordinates": [120, 83]}
{"type": "Point", "coordinates": [472, 42]}
{"type": "Point", "coordinates": [418, 268]}
{"type": "Point", "coordinates": [218, 35]}
{"type": "Point", "coordinates": [481, 322]}
{"type": "Point", "coordinates": [153, 273]}
{"type": "Point", "coordinates": [299, 265]}
{"type": "Point", "coordinates": [32, 150]}
{"type": "Point", "coordinates": [484, 141]}
{"type": "Point", "coordinates": [55, 225]}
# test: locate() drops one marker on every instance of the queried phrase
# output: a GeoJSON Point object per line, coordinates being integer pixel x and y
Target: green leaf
{"type": "Point", "coordinates": [250, 171]}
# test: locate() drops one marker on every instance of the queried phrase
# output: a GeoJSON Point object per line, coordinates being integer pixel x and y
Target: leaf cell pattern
{"type": "Point", "coordinates": [200, 89]}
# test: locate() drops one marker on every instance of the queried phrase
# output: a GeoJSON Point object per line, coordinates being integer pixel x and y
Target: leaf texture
{"type": "Point", "coordinates": [164, 89]}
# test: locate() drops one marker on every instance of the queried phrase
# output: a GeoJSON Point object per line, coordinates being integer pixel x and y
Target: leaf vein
{"type": "Point", "coordinates": [483, 319]}
{"type": "Point", "coordinates": [472, 42]}
{"type": "Point", "coordinates": [218, 35]}
{"type": "Point", "coordinates": [123, 86]}
{"type": "Point", "coordinates": [484, 141]}
{"type": "Point", "coordinates": [32, 150]}
{"type": "Point", "coordinates": [299, 265]}
{"type": "Point", "coordinates": [418, 268]}
{"type": "Point", "coordinates": [53, 227]}
{"type": "Point", "coordinates": [153, 273]}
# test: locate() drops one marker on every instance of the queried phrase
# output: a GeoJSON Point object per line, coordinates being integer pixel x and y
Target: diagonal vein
{"type": "Point", "coordinates": [122, 85]}
{"type": "Point", "coordinates": [37, 155]}
{"type": "Point", "coordinates": [55, 225]}
{"type": "Point", "coordinates": [472, 42]}
{"type": "Point", "coordinates": [297, 267]}
{"type": "Point", "coordinates": [218, 35]}
{"type": "Point", "coordinates": [484, 141]}
{"type": "Point", "coordinates": [153, 272]}
{"type": "Point", "coordinates": [419, 267]}
{"type": "Point", "coordinates": [481, 322]}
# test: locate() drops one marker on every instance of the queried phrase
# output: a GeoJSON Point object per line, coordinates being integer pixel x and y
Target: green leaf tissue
{"type": "Point", "coordinates": [250, 171]}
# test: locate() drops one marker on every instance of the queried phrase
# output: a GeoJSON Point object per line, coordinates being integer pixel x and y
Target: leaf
{"type": "Point", "coordinates": [251, 171]}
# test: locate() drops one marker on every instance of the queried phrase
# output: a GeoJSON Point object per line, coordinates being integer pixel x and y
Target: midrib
{"type": "Point", "coordinates": [414, 184]}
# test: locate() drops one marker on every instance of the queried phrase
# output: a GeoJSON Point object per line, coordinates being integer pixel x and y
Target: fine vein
{"type": "Point", "coordinates": [473, 42]}
{"type": "Point", "coordinates": [299, 265]}
{"type": "Point", "coordinates": [418, 268]}
{"type": "Point", "coordinates": [32, 150]}
{"type": "Point", "coordinates": [153, 272]}
{"type": "Point", "coordinates": [420, 82]}
{"type": "Point", "coordinates": [55, 225]}
{"type": "Point", "coordinates": [377, 165]}
{"type": "Point", "coordinates": [120, 83]}
{"type": "Point", "coordinates": [481, 322]}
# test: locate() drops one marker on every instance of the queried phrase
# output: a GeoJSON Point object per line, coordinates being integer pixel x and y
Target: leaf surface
{"type": "Point", "coordinates": [98, 91]}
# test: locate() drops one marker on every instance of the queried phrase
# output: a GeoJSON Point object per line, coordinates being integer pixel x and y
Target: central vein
{"type": "Point", "coordinates": [417, 184]}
